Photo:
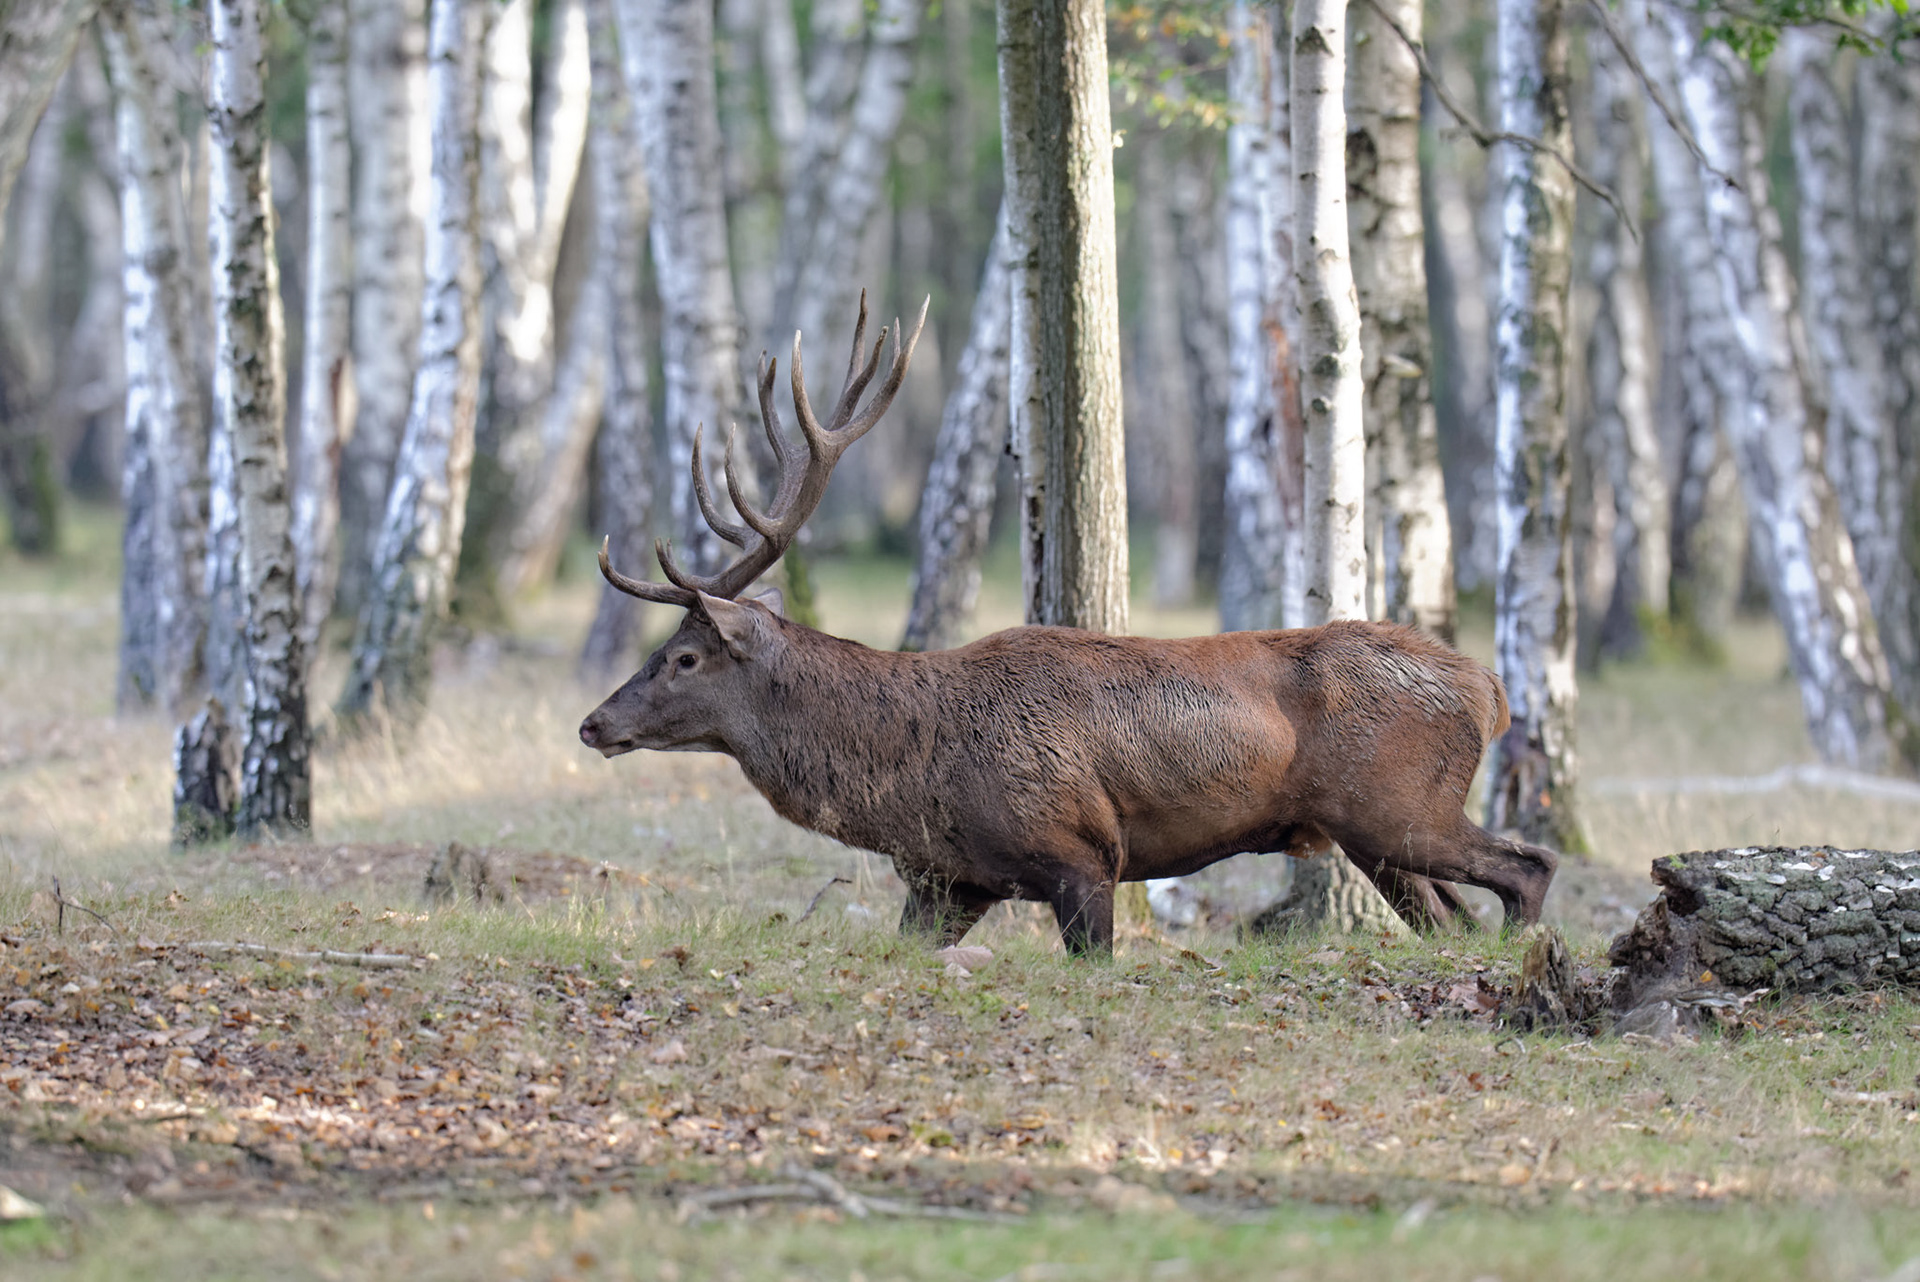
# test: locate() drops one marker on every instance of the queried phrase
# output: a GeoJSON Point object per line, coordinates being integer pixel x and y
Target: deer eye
{"type": "Point", "coordinates": [687, 662]}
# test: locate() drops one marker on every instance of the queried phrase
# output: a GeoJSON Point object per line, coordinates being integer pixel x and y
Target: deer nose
{"type": "Point", "coordinates": [589, 735]}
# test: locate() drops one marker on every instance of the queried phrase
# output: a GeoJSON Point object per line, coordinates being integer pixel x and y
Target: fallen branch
{"type": "Point", "coordinates": [1488, 137]}
{"type": "Point", "coordinates": [60, 912]}
{"type": "Point", "coordinates": [805, 1185]}
{"type": "Point", "coordinates": [371, 961]}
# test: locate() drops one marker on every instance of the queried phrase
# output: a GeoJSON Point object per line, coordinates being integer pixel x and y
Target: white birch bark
{"type": "Point", "coordinates": [1332, 390]}
{"type": "Point", "coordinates": [1253, 567]}
{"type": "Point", "coordinates": [1407, 521]}
{"type": "Point", "coordinates": [666, 48]}
{"type": "Point", "coordinates": [387, 117]}
{"type": "Point", "coordinates": [37, 38]}
{"type": "Point", "coordinates": [786, 94]}
{"type": "Point", "coordinates": [251, 397]}
{"type": "Point", "coordinates": [326, 385]}
{"type": "Point", "coordinates": [419, 544]}
{"type": "Point", "coordinates": [1064, 381]}
{"type": "Point", "coordinates": [165, 486]}
{"type": "Point", "coordinates": [1620, 373]}
{"type": "Point", "coordinates": [1533, 771]}
{"type": "Point", "coordinates": [1887, 92]}
{"type": "Point", "coordinates": [1802, 543]}
{"type": "Point", "coordinates": [625, 447]}
{"type": "Point", "coordinates": [956, 506]}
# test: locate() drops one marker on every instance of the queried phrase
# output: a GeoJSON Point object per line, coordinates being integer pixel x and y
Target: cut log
{"type": "Point", "coordinates": [1802, 920]}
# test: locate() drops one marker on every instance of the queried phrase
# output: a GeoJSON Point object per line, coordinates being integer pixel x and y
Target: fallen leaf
{"type": "Point", "coordinates": [1514, 1174]}
{"type": "Point", "coordinates": [672, 1053]}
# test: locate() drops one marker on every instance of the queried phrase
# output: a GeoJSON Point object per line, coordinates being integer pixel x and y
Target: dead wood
{"type": "Point", "coordinates": [372, 961]}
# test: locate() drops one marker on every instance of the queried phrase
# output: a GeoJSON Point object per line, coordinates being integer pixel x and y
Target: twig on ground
{"type": "Point", "coordinates": [1658, 95]}
{"type": "Point", "coordinates": [819, 894]}
{"type": "Point", "coordinates": [372, 961]}
{"type": "Point", "coordinates": [60, 912]}
{"type": "Point", "coordinates": [804, 1185]}
{"type": "Point", "coordinates": [1488, 137]}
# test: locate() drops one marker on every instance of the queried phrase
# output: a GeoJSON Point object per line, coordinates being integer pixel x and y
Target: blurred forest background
{"type": "Point", "coordinates": [371, 330]}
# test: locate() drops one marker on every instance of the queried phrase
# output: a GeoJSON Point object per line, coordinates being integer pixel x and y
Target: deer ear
{"type": "Point", "coordinates": [773, 599]}
{"type": "Point", "coordinates": [738, 624]}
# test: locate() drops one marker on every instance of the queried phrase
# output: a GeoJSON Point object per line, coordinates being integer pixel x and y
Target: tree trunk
{"type": "Point", "coordinates": [387, 116]}
{"type": "Point", "coordinates": [666, 47]}
{"type": "Point", "coordinates": [1332, 388]}
{"type": "Point", "coordinates": [1166, 429]}
{"type": "Point", "coordinates": [1888, 197]}
{"type": "Point", "coordinates": [1806, 920]}
{"type": "Point", "coordinates": [1329, 895]}
{"type": "Point", "coordinates": [956, 507]}
{"type": "Point", "coordinates": [1620, 366]}
{"type": "Point", "coordinates": [1254, 584]}
{"type": "Point", "coordinates": [1408, 519]}
{"type": "Point", "coordinates": [251, 393]}
{"type": "Point", "coordinates": [205, 793]}
{"type": "Point", "coordinates": [625, 447]}
{"type": "Point", "coordinates": [1064, 370]}
{"type": "Point", "coordinates": [1808, 560]}
{"type": "Point", "coordinates": [163, 602]}
{"type": "Point", "coordinates": [37, 46]}
{"type": "Point", "coordinates": [420, 538]}
{"type": "Point", "coordinates": [1533, 771]}
{"type": "Point", "coordinates": [326, 384]}
{"type": "Point", "coordinates": [1194, 203]}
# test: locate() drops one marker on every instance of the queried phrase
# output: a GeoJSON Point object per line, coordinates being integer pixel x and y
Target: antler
{"type": "Point", "coordinates": [803, 482]}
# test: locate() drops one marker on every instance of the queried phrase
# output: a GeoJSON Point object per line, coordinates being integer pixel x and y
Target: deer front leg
{"type": "Point", "coordinates": [1084, 909]}
{"type": "Point", "coordinates": [944, 911]}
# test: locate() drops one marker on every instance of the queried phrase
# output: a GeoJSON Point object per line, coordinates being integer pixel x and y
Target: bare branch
{"type": "Point", "coordinates": [371, 961]}
{"type": "Point", "coordinates": [1488, 137]}
{"type": "Point", "coordinates": [1656, 94]}
{"type": "Point", "coordinates": [60, 912]}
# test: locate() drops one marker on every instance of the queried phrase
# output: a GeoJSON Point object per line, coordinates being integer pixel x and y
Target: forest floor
{"type": "Point", "coordinates": [571, 1076]}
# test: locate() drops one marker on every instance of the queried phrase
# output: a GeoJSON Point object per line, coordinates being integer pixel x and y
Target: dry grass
{"type": "Point", "coordinates": [535, 1046]}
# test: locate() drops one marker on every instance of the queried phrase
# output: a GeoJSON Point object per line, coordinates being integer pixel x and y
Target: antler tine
{"type": "Point", "coordinates": [769, 416]}
{"type": "Point", "coordinates": [763, 526]}
{"type": "Point", "coordinates": [896, 375]}
{"type": "Point", "coordinates": [691, 584]}
{"type": "Point", "coordinates": [859, 336]}
{"type": "Point", "coordinates": [817, 442]}
{"type": "Point", "coordinates": [661, 592]}
{"type": "Point", "coordinates": [734, 534]}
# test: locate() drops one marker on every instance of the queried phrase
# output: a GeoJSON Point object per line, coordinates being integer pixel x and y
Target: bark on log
{"type": "Point", "coordinates": [1806, 919]}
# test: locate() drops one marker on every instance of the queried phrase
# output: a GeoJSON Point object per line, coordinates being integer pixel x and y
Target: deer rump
{"type": "Point", "coordinates": [1049, 763]}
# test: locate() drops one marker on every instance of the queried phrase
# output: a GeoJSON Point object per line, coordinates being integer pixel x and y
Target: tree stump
{"type": "Point", "coordinates": [206, 790]}
{"type": "Point", "coordinates": [1329, 894]}
{"type": "Point", "coordinates": [1810, 919]}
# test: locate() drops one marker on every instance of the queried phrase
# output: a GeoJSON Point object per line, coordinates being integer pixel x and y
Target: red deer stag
{"type": "Point", "coordinates": [1048, 763]}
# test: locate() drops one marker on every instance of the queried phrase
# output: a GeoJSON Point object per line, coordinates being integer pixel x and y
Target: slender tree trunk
{"type": "Point", "coordinates": [1197, 226]}
{"type": "Point", "coordinates": [1801, 538]}
{"type": "Point", "coordinates": [250, 387]}
{"type": "Point", "coordinates": [1620, 374]}
{"type": "Point", "coordinates": [387, 116]}
{"type": "Point", "coordinates": [1533, 769]}
{"type": "Point", "coordinates": [38, 43]}
{"type": "Point", "coordinates": [666, 47]}
{"type": "Point", "coordinates": [420, 538]}
{"type": "Point", "coordinates": [1166, 426]}
{"type": "Point", "coordinates": [1888, 195]}
{"type": "Point", "coordinates": [1064, 379]}
{"type": "Point", "coordinates": [1332, 388]}
{"type": "Point", "coordinates": [1408, 498]}
{"type": "Point", "coordinates": [1254, 584]}
{"type": "Point", "coordinates": [163, 604]}
{"type": "Point", "coordinates": [956, 507]}
{"type": "Point", "coordinates": [326, 385]}
{"type": "Point", "coordinates": [625, 446]}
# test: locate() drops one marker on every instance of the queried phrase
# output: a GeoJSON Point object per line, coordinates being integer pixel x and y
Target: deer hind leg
{"type": "Point", "coordinates": [944, 911]}
{"type": "Point", "coordinates": [1423, 903]}
{"type": "Point", "coordinates": [1458, 851]}
{"type": "Point", "coordinates": [1084, 909]}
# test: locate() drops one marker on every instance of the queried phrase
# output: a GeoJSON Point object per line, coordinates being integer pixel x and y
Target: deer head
{"type": "Point", "coordinates": [703, 684]}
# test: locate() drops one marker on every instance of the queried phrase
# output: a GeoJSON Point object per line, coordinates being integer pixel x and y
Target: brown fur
{"type": "Point", "coordinates": [1048, 763]}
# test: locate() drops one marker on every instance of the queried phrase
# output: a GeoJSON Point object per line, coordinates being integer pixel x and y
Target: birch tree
{"type": "Point", "coordinates": [1407, 501]}
{"type": "Point", "coordinates": [40, 36]}
{"type": "Point", "coordinates": [1533, 770]}
{"type": "Point", "coordinates": [326, 387]}
{"type": "Point", "coordinates": [1817, 593]}
{"type": "Point", "coordinates": [1064, 366]}
{"type": "Point", "coordinates": [1254, 584]}
{"type": "Point", "coordinates": [1167, 429]}
{"type": "Point", "coordinates": [625, 444]}
{"type": "Point", "coordinates": [387, 118]}
{"type": "Point", "coordinates": [956, 507]}
{"type": "Point", "coordinates": [164, 488]}
{"type": "Point", "coordinates": [1332, 388]}
{"type": "Point", "coordinates": [251, 396]}
{"type": "Point", "coordinates": [666, 48]}
{"type": "Point", "coordinates": [1623, 437]}
{"type": "Point", "coordinates": [419, 543]}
